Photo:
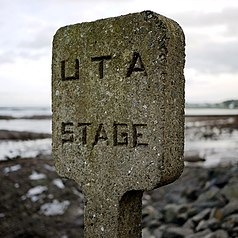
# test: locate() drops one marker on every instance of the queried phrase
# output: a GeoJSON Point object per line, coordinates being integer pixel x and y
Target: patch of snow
{"type": "Point", "coordinates": [37, 176]}
{"type": "Point", "coordinates": [30, 148]}
{"type": "Point", "coordinates": [49, 167]}
{"type": "Point", "coordinates": [13, 168]}
{"type": "Point", "coordinates": [216, 144]}
{"type": "Point", "coordinates": [36, 190]}
{"type": "Point", "coordinates": [2, 215]}
{"type": "Point", "coordinates": [55, 208]}
{"type": "Point", "coordinates": [16, 185]}
{"type": "Point", "coordinates": [58, 183]}
{"type": "Point", "coordinates": [35, 193]}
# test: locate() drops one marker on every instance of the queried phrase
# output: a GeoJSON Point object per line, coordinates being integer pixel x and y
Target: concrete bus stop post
{"type": "Point", "coordinates": [118, 114]}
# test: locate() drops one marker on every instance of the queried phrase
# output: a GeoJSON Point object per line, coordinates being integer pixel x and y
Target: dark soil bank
{"type": "Point", "coordinates": [36, 202]}
{"type": "Point", "coordinates": [22, 135]}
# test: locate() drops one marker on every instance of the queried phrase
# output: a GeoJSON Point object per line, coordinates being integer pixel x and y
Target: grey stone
{"type": "Point", "coordinates": [216, 213]}
{"type": "Point", "coordinates": [175, 213]}
{"type": "Point", "coordinates": [157, 233]}
{"type": "Point", "coordinates": [118, 114]}
{"type": "Point", "coordinates": [208, 195]}
{"type": "Point", "coordinates": [192, 211]}
{"type": "Point", "coordinates": [211, 198]}
{"type": "Point", "coordinates": [171, 212]}
{"type": "Point", "coordinates": [150, 211]}
{"type": "Point", "coordinates": [230, 222]}
{"type": "Point", "coordinates": [231, 191]}
{"type": "Point", "coordinates": [202, 215]}
{"type": "Point", "coordinates": [232, 219]}
{"type": "Point", "coordinates": [189, 224]}
{"type": "Point", "coordinates": [177, 232]}
{"type": "Point", "coordinates": [231, 207]}
{"type": "Point", "coordinates": [154, 224]}
{"type": "Point", "coordinates": [213, 224]}
{"type": "Point", "coordinates": [200, 234]}
{"type": "Point", "coordinates": [218, 234]}
{"type": "Point", "coordinates": [146, 233]}
{"type": "Point", "coordinates": [202, 225]}
{"type": "Point", "coordinates": [150, 217]}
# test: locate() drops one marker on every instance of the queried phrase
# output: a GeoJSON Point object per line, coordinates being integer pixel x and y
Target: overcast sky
{"type": "Point", "coordinates": [27, 28]}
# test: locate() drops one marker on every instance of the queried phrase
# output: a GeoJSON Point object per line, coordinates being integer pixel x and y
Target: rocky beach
{"type": "Point", "coordinates": [36, 202]}
{"type": "Point", "coordinates": [203, 202]}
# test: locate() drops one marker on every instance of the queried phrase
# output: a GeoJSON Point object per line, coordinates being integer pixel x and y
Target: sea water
{"type": "Point", "coordinates": [214, 139]}
{"type": "Point", "coordinates": [40, 126]}
{"type": "Point", "coordinates": [10, 149]}
{"type": "Point", "coordinates": [24, 111]}
{"type": "Point", "coordinates": [210, 111]}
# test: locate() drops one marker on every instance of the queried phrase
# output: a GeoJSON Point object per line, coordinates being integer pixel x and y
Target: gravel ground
{"type": "Point", "coordinates": [36, 202]}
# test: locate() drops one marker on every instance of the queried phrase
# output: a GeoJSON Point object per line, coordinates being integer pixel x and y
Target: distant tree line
{"type": "Point", "coordinates": [229, 104]}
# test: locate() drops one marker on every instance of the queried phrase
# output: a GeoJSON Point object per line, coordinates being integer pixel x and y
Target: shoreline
{"type": "Point", "coordinates": [22, 135]}
{"type": "Point", "coordinates": [42, 117]}
{"type": "Point", "coordinates": [33, 117]}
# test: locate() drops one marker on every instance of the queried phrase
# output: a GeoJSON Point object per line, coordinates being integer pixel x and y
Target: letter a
{"type": "Point", "coordinates": [136, 65]}
{"type": "Point", "coordinates": [100, 135]}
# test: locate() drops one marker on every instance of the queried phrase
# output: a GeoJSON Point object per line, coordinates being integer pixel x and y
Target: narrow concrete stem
{"type": "Point", "coordinates": [130, 209]}
{"type": "Point", "coordinates": [110, 219]}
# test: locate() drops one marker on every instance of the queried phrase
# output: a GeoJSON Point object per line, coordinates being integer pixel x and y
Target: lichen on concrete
{"type": "Point", "coordinates": [118, 111]}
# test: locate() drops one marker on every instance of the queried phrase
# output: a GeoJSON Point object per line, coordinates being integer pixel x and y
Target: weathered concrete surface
{"type": "Point", "coordinates": [118, 114]}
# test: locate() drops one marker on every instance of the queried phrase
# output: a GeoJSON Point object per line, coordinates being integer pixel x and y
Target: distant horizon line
{"type": "Point", "coordinates": [49, 105]}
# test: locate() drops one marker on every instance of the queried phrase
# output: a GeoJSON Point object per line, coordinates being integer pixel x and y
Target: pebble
{"type": "Point", "coordinates": [177, 232]}
{"type": "Point", "coordinates": [218, 234]}
{"type": "Point", "coordinates": [210, 212]}
{"type": "Point", "coordinates": [230, 208]}
{"type": "Point", "coordinates": [200, 204]}
{"type": "Point", "coordinates": [200, 234]}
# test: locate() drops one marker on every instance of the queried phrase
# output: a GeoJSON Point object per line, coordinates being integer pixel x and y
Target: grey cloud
{"type": "Point", "coordinates": [36, 43]}
{"type": "Point", "coordinates": [228, 16]}
{"type": "Point", "coordinates": [206, 54]}
{"type": "Point", "coordinates": [12, 56]}
{"type": "Point", "coordinates": [6, 57]}
{"type": "Point", "coordinates": [214, 58]}
{"type": "Point", "coordinates": [31, 46]}
{"type": "Point", "coordinates": [39, 40]}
